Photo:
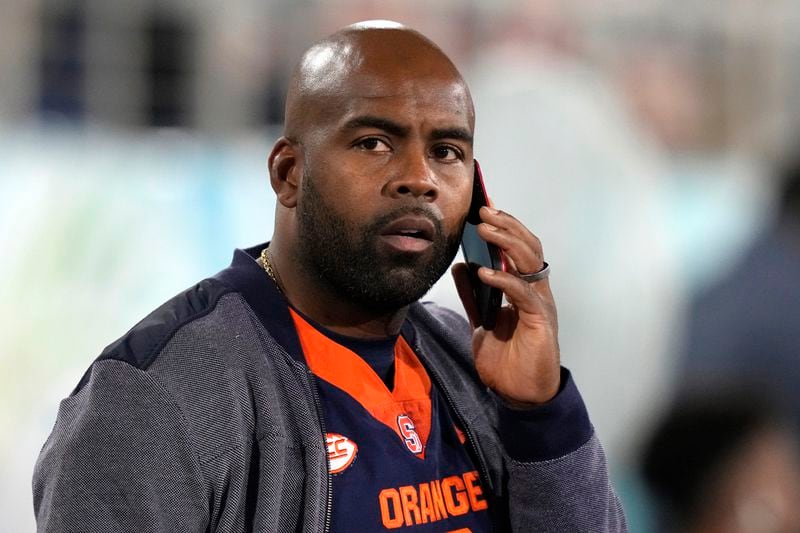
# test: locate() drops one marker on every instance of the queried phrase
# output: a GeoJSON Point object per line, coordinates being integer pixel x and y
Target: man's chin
{"type": "Point", "coordinates": [410, 274]}
{"type": "Point", "coordinates": [389, 289]}
{"type": "Point", "coordinates": [393, 279]}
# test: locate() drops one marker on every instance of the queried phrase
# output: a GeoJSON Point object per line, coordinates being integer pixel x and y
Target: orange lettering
{"type": "Point", "coordinates": [408, 497]}
{"type": "Point", "coordinates": [425, 504]}
{"type": "Point", "coordinates": [474, 491]}
{"type": "Point", "coordinates": [460, 505]}
{"type": "Point", "coordinates": [435, 500]}
{"type": "Point", "coordinates": [438, 500]}
{"type": "Point", "coordinates": [386, 497]}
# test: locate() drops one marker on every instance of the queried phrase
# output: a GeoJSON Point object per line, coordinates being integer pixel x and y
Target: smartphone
{"type": "Point", "coordinates": [478, 253]}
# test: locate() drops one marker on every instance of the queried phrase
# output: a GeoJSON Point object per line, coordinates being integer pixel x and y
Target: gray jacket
{"type": "Point", "coordinates": [204, 417]}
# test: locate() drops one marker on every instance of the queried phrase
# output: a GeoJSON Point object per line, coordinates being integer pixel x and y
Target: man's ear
{"type": "Point", "coordinates": [284, 171]}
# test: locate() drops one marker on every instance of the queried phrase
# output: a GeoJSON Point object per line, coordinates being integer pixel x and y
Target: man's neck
{"type": "Point", "coordinates": [351, 322]}
{"type": "Point", "coordinates": [327, 308]}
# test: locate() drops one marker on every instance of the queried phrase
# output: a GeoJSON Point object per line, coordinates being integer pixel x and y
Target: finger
{"type": "Point", "coordinates": [505, 221]}
{"type": "Point", "coordinates": [533, 298]}
{"type": "Point", "coordinates": [509, 264]}
{"type": "Point", "coordinates": [521, 247]}
{"type": "Point", "coordinates": [460, 272]}
{"type": "Point", "coordinates": [520, 255]}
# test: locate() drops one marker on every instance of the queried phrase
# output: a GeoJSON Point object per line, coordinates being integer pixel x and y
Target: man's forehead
{"type": "Point", "coordinates": [408, 85]}
{"type": "Point", "coordinates": [412, 104]}
{"type": "Point", "coordinates": [358, 68]}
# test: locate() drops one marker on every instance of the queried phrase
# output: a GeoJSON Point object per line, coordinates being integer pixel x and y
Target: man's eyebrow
{"type": "Point", "coordinates": [394, 128]}
{"type": "Point", "coordinates": [369, 121]}
{"type": "Point", "coordinates": [452, 133]}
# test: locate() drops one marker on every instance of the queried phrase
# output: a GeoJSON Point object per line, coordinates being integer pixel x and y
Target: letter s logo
{"type": "Point", "coordinates": [409, 433]}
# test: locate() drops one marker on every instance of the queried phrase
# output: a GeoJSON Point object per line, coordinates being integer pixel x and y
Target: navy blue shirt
{"type": "Point", "coordinates": [397, 458]}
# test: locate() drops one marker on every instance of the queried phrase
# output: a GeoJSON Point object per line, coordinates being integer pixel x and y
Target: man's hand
{"type": "Point", "coordinates": [519, 358]}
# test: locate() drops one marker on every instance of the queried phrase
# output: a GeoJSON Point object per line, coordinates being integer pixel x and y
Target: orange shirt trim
{"type": "Point", "coordinates": [344, 369]}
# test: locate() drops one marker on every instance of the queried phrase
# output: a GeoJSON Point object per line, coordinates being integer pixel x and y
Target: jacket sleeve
{"type": "Point", "coordinates": [557, 473]}
{"type": "Point", "coordinates": [119, 459]}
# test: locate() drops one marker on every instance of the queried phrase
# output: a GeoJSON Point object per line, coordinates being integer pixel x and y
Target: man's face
{"type": "Point", "coordinates": [386, 187]}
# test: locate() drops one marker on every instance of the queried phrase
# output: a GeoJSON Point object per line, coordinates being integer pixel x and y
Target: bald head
{"type": "Point", "coordinates": [367, 59]}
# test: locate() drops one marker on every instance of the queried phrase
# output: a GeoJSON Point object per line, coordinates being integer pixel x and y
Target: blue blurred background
{"type": "Point", "coordinates": [635, 137]}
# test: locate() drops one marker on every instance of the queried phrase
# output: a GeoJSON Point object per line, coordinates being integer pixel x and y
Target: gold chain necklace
{"type": "Point", "coordinates": [266, 264]}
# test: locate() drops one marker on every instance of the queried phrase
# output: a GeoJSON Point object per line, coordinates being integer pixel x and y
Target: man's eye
{"type": "Point", "coordinates": [373, 144]}
{"type": "Point", "coordinates": [447, 153]}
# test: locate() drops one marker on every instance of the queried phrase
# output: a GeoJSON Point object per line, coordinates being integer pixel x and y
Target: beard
{"type": "Point", "coordinates": [345, 256]}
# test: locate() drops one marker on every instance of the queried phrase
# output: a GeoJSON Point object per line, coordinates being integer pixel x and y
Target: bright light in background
{"type": "Point", "coordinates": [97, 232]}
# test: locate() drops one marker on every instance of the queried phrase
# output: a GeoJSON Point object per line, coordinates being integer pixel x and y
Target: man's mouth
{"type": "Point", "coordinates": [409, 234]}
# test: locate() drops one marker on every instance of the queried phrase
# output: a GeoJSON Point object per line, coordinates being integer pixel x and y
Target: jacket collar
{"type": "Point", "coordinates": [263, 296]}
{"type": "Point", "coordinates": [248, 278]}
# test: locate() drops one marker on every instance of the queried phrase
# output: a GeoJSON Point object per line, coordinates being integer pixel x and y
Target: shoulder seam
{"type": "Point", "coordinates": [155, 349]}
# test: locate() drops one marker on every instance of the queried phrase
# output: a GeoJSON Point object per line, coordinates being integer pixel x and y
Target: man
{"type": "Point", "coordinates": [304, 388]}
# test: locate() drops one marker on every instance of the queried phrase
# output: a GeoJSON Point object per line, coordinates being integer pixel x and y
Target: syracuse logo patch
{"type": "Point", "coordinates": [341, 452]}
{"type": "Point", "coordinates": [409, 434]}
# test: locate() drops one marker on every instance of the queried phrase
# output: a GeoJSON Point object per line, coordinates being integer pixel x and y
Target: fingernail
{"type": "Point", "coordinates": [492, 210]}
{"type": "Point", "coordinates": [490, 227]}
{"type": "Point", "coordinates": [487, 271]}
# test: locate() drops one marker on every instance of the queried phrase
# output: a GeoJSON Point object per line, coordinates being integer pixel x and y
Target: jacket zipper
{"type": "Point", "coordinates": [328, 487]}
{"type": "Point", "coordinates": [484, 470]}
{"type": "Point", "coordinates": [318, 408]}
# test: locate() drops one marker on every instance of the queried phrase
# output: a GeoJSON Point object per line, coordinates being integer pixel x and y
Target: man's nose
{"type": "Point", "coordinates": [415, 177]}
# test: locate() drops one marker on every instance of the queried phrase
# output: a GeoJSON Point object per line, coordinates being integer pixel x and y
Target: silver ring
{"type": "Point", "coordinates": [536, 276]}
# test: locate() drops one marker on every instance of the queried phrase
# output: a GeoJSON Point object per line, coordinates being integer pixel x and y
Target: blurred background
{"type": "Point", "coordinates": [644, 141]}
